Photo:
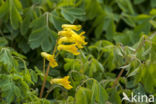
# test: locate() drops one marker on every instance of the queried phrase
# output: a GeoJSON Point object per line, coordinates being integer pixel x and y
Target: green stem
{"type": "Point", "coordinates": [43, 65]}
{"type": "Point", "coordinates": [46, 74]}
{"type": "Point", "coordinates": [48, 92]}
{"type": "Point", "coordinates": [44, 81]}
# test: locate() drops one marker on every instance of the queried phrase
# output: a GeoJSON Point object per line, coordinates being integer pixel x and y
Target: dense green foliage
{"type": "Point", "coordinates": [121, 37]}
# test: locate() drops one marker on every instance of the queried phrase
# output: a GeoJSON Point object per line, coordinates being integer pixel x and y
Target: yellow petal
{"type": "Point", "coordinates": [50, 58]}
{"type": "Point", "coordinates": [73, 27]}
{"type": "Point", "coordinates": [62, 81]}
{"type": "Point", "coordinates": [65, 33]}
{"type": "Point", "coordinates": [44, 54]}
{"type": "Point", "coordinates": [69, 48]}
{"type": "Point", "coordinates": [65, 39]}
{"type": "Point", "coordinates": [79, 40]}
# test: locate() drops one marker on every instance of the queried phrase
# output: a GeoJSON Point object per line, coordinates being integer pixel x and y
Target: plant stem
{"type": "Point", "coordinates": [43, 65]}
{"type": "Point", "coordinates": [118, 77]}
{"type": "Point", "coordinates": [48, 92]}
{"type": "Point", "coordinates": [47, 71]}
{"type": "Point", "coordinates": [44, 81]}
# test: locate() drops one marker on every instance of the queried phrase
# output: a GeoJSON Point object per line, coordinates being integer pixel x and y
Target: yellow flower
{"type": "Point", "coordinates": [62, 81]}
{"type": "Point", "coordinates": [65, 39]}
{"type": "Point", "coordinates": [68, 35]}
{"type": "Point", "coordinates": [50, 58]}
{"type": "Point", "coordinates": [65, 33]}
{"type": "Point", "coordinates": [72, 37]}
{"type": "Point", "coordinates": [69, 48]}
{"type": "Point", "coordinates": [73, 27]}
{"type": "Point", "coordinates": [79, 39]}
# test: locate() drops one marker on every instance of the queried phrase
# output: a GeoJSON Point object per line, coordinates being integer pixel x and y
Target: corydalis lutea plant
{"type": "Point", "coordinates": [75, 41]}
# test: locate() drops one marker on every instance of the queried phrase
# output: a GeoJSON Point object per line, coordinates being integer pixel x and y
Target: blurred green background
{"type": "Point", "coordinates": [120, 35]}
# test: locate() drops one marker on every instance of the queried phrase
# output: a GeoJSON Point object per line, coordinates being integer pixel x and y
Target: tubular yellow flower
{"type": "Point", "coordinates": [62, 81]}
{"type": "Point", "coordinates": [73, 27]}
{"type": "Point", "coordinates": [50, 58]}
{"type": "Point", "coordinates": [69, 48]}
{"type": "Point", "coordinates": [65, 39]}
{"type": "Point", "coordinates": [65, 33]}
{"type": "Point", "coordinates": [72, 37]}
{"type": "Point", "coordinates": [79, 40]}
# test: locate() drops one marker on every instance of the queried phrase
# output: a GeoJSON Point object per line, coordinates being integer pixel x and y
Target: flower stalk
{"type": "Point", "coordinates": [44, 81]}
{"type": "Point", "coordinates": [67, 35]}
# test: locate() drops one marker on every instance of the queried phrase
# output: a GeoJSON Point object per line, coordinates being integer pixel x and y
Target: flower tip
{"type": "Point", "coordinates": [69, 87]}
{"type": "Point", "coordinates": [51, 82]}
{"type": "Point", "coordinates": [79, 27]}
{"type": "Point", "coordinates": [77, 53]}
{"type": "Point", "coordinates": [66, 77]}
{"type": "Point", "coordinates": [59, 33]}
{"type": "Point", "coordinates": [74, 27]}
{"type": "Point", "coordinates": [62, 81]}
{"type": "Point", "coordinates": [53, 64]}
{"type": "Point", "coordinates": [82, 33]}
{"type": "Point", "coordinates": [43, 54]}
{"type": "Point", "coordinates": [85, 43]}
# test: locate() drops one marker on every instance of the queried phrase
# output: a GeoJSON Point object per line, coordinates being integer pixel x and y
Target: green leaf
{"type": "Point", "coordinates": [34, 76]}
{"type": "Point", "coordinates": [99, 66]}
{"type": "Point", "coordinates": [3, 41]}
{"type": "Point", "coordinates": [18, 5]}
{"type": "Point", "coordinates": [71, 14]}
{"type": "Point", "coordinates": [94, 95]}
{"type": "Point", "coordinates": [125, 6]}
{"type": "Point", "coordinates": [27, 76]}
{"type": "Point", "coordinates": [110, 30]}
{"type": "Point", "coordinates": [74, 11]}
{"type": "Point", "coordinates": [4, 9]}
{"type": "Point", "coordinates": [68, 16]}
{"type": "Point", "coordinates": [82, 96]}
{"type": "Point", "coordinates": [115, 98]}
{"type": "Point", "coordinates": [149, 77]}
{"type": "Point", "coordinates": [6, 57]}
{"type": "Point", "coordinates": [26, 21]}
{"type": "Point", "coordinates": [126, 37]}
{"type": "Point", "coordinates": [37, 1]}
{"type": "Point", "coordinates": [143, 27]}
{"type": "Point", "coordinates": [134, 72]}
{"type": "Point", "coordinates": [142, 17]}
{"type": "Point", "coordinates": [15, 16]}
{"type": "Point", "coordinates": [100, 25]}
{"type": "Point", "coordinates": [103, 96]}
{"type": "Point", "coordinates": [153, 3]}
{"type": "Point", "coordinates": [98, 93]}
{"type": "Point", "coordinates": [153, 11]}
{"type": "Point", "coordinates": [153, 23]}
{"type": "Point", "coordinates": [43, 37]}
{"type": "Point", "coordinates": [17, 91]}
{"type": "Point", "coordinates": [23, 45]}
{"type": "Point", "coordinates": [69, 63]}
{"type": "Point", "coordinates": [57, 21]}
{"type": "Point", "coordinates": [128, 19]}
{"type": "Point", "coordinates": [92, 68]}
{"type": "Point", "coordinates": [93, 8]}
{"type": "Point", "coordinates": [24, 85]}
{"type": "Point", "coordinates": [138, 1]}
{"type": "Point", "coordinates": [10, 91]}
{"type": "Point", "coordinates": [38, 22]}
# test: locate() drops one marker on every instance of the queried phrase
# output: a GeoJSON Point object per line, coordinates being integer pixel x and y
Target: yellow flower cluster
{"type": "Point", "coordinates": [62, 81]}
{"type": "Point", "coordinates": [68, 35]}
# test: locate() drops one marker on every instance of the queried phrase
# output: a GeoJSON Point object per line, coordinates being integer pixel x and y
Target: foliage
{"type": "Point", "coordinates": [120, 35]}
